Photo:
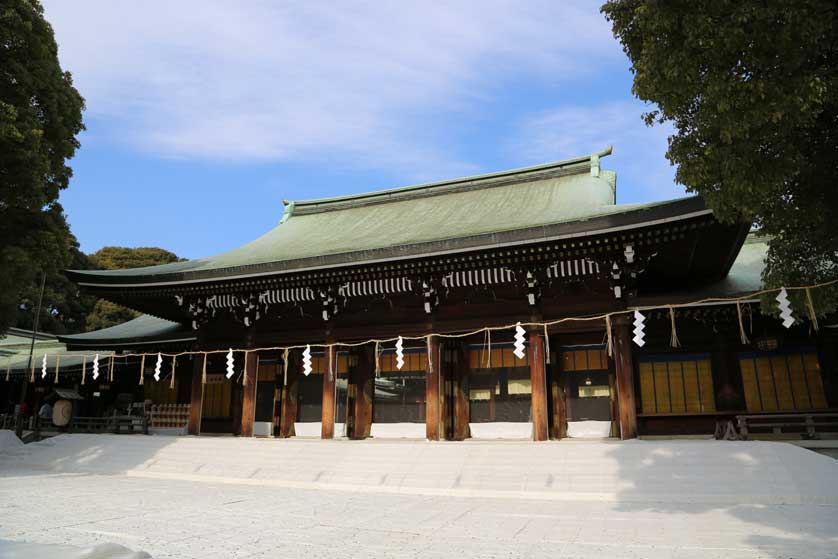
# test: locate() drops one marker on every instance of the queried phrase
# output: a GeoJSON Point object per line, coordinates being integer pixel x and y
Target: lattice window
{"type": "Point", "coordinates": [159, 392]}
{"type": "Point", "coordinates": [502, 357]}
{"type": "Point", "coordinates": [676, 384]}
{"type": "Point", "coordinates": [786, 381]}
{"type": "Point", "coordinates": [584, 359]}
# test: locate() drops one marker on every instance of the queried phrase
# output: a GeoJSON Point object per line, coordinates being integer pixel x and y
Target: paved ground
{"type": "Point", "coordinates": [214, 498]}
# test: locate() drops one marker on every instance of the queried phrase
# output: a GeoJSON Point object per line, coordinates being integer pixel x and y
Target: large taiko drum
{"type": "Point", "coordinates": [62, 412]}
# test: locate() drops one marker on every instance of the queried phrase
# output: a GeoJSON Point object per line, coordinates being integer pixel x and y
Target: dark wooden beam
{"type": "Point", "coordinates": [196, 399]}
{"type": "Point", "coordinates": [433, 392]}
{"type": "Point", "coordinates": [538, 378]}
{"type": "Point", "coordinates": [327, 430]}
{"type": "Point", "coordinates": [624, 372]}
{"type": "Point", "coordinates": [249, 382]}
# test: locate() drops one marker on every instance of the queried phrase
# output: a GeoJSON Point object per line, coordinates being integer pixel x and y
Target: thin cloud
{"type": "Point", "coordinates": [270, 81]}
{"type": "Point", "coordinates": [639, 151]}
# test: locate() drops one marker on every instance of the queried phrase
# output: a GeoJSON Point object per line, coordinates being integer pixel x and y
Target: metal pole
{"type": "Point", "coordinates": [24, 384]}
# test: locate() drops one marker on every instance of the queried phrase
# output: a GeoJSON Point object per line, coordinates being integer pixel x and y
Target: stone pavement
{"type": "Point", "coordinates": [223, 497]}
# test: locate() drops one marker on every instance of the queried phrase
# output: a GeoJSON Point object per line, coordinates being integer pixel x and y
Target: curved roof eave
{"type": "Point", "coordinates": [616, 218]}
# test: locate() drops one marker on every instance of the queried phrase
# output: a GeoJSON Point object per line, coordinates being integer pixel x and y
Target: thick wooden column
{"type": "Point", "coordinates": [624, 370]}
{"type": "Point", "coordinates": [196, 399]}
{"type": "Point", "coordinates": [433, 394]}
{"type": "Point", "coordinates": [459, 393]}
{"type": "Point", "coordinates": [249, 388]}
{"type": "Point", "coordinates": [288, 414]}
{"type": "Point", "coordinates": [364, 379]}
{"type": "Point", "coordinates": [538, 378]}
{"type": "Point", "coordinates": [327, 429]}
{"type": "Point", "coordinates": [556, 377]}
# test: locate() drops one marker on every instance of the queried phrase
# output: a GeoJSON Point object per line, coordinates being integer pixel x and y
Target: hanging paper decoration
{"type": "Point", "coordinates": [44, 367]}
{"type": "Point", "coordinates": [520, 337]}
{"type": "Point", "coordinates": [399, 353]}
{"type": "Point", "coordinates": [96, 366]}
{"type": "Point", "coordinates": [157, 367]}
{"type": "Point", "coordinates": [230, 363]}
{"type": "Point", "coordinates": [785, 308]}
{"type": "Point", "coordinates": [307, 361]}
{"type": "Point", "coordinates": [639, 326]}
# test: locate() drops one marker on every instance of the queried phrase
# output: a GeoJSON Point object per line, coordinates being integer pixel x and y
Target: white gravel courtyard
{"type": "Point", "coordinates": [222, 497]}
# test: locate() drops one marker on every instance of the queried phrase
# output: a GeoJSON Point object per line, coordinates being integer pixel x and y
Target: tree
{"type": "Point", "coordinates": [122, 258]}
{"type": "Point", "coordinates": [40, 117]}
{"type": "Point", "coordinates": [65, 308]}
{"type": "Point", "coordinates": [751, 88]}
{"type": "Point", "coordinates": [105, 313]}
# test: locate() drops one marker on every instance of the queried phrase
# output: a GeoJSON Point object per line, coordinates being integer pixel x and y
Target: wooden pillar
{"type": "Point", "coordinates": [538, 378]}
{"type": "Point", "coordinates": [433, 394]}
{"type": "Point", "coordinates": [459, 396]}
{"type": "Point", "coordinates": [364, 379]}
{"type": "Point", "coordinates": [288, 413]}
{"type": "Point", "coordinates": [249, 387]}
{"type": "Point", "coordinates": [327, 429]}
{"type": "Point", "coordinates": [624, 370]}
{"type": "Point", "coordinates": [196, 398]}
{"type": "Point", "coordinates": [557, 394]}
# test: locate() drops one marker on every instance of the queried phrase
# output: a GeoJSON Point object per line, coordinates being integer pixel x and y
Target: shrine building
{"type": "Point", "coordinates": [435, 264]}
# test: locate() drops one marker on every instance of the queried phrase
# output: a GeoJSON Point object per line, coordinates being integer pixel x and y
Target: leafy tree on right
{"type": "Point", "coordinates": [751, 88]}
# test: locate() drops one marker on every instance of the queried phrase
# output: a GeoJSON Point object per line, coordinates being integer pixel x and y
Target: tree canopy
{"type": "Point", "coordinates": [751, 88]}
{"type": "Point", "coordinates": [40, 117]}
{"type": "Point", "coordinates": [105, 313]}
{"type": "Point", "coordinates": [121, 258]}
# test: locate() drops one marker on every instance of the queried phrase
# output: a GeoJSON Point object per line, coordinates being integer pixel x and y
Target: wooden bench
{"type": "Point", "coordinates": [787, 425]}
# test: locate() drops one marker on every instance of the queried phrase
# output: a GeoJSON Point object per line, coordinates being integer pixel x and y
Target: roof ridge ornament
{"type": "Point", "coordinates": [289, 210]}
{"type": "Point", "coordinates": [595, 169]}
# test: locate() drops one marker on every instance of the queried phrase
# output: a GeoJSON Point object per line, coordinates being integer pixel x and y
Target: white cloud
{"type": "Point", "coordinates": [643, 172]}
{"type": "Point", "coordinates": [273, 81]}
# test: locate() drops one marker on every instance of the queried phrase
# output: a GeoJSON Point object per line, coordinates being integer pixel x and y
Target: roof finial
{"type": "Point", "coordinates": [595, 160]}
{"type": "Point", "coordinates": [289, 210]}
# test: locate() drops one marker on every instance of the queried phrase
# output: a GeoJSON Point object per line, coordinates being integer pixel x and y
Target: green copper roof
{"type": "Point", "coordinates": [744, 277]}
{"type": "Point", "coordinates": [14, 353]}
{"type": "Point", "coordinates": [461, 214]}
{"type": "Point", "coordinates": [144, 329]}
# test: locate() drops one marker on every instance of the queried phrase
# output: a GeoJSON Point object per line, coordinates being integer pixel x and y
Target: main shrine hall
{"type": "Point", "coordinates": [315, 308]}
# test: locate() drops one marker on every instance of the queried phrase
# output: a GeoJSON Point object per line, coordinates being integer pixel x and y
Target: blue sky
{"type": "Point", "coordinates": [202, 115]}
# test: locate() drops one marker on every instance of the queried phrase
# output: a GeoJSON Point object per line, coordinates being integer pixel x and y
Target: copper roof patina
{"type": "Point", "coordinates": [555, 200]}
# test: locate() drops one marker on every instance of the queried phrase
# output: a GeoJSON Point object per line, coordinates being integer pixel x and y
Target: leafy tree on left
{"type": "Point", "coordinates": [40, 117]}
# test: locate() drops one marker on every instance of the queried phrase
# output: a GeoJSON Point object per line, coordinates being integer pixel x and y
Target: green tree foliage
{"type": "Point", "coordinates": [40, 116]}
{"type": "Point", "coordinates": [122, 258]}
{"type": "Point", "coordinates": [751, 88]}
{"type": "Point", "coordinates": [64, 308]}
{"type": "Point", "coordinates": [105, 313]}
